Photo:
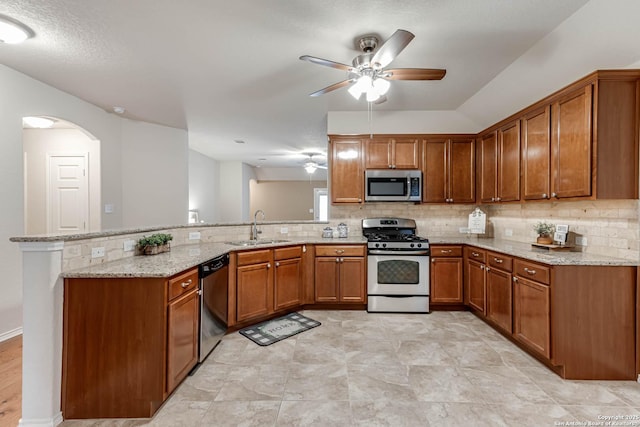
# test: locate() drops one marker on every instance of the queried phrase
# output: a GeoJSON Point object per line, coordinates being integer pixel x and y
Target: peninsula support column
{"type": "Point", "coordinates": [42, 333]}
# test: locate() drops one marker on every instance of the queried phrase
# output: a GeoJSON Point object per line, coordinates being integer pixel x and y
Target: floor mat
{"type": "Point", "coordinates": [275, 330]}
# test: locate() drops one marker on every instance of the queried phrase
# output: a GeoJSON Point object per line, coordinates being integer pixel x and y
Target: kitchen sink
{"type": "Point", "coordinates": [255, 242]}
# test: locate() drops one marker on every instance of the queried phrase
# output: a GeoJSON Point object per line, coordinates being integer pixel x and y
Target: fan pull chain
{"type": "Point", "coordinates": [369, 117]}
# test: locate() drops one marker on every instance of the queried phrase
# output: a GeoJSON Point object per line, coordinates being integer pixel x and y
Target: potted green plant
{"type": "Point", "coordinates": [545, 232]}
{"type": "Point", "coordinates": [155, 244]}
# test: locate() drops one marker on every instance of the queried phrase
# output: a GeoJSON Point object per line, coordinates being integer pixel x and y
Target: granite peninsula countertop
{"type": "Point", "coordinates": [184, 257]}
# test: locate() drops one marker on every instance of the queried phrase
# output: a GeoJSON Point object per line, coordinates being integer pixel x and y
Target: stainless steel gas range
{"type": "Point", "coordinates": [398, 266]}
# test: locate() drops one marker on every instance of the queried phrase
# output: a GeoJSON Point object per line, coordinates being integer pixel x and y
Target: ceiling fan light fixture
{"type": "Point", "coordinates": [310, 167]}
{"type": "Point", "coordinates": [381, 86]}
{"type": "Point", "coordinates": [12, 31]}
{"type": "Point", "coordinates": [355, 91]}
{"type": "Point", "coordinates": [372, 96]}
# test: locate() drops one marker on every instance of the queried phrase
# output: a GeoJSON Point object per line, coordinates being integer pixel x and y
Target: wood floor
{"type": "Point", "coordinates": [10, 382]}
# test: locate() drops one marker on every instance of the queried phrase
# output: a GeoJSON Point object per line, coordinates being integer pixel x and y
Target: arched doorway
{"type": "Point", "coordinates": [61, 178]}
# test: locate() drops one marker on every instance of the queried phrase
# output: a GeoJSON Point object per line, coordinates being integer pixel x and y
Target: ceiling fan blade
{"type": "Point", "coordinates": [381, 99]}
{"type": "Point", "coordinates": [332, 87]}
{"type": "Point", "coordinates": [414, 74]}
{"type": "Point", "coordinates": [327, 63]}
{"type": "Point", "coordinates": [392, 47]}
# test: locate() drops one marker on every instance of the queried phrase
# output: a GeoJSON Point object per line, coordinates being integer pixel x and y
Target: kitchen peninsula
{"type": "Point", "coordinates": [575, 281]}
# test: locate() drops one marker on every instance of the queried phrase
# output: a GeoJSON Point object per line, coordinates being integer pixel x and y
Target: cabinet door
{"type": "Point", "coordinates": [435, 171]}
{"type": "Point", "coordinates": [571, 151]}
{"type": "Point", "coordinates": [406, 153]}
{"type": "Point", "coordinates": [288, 276]}
{"type": "Point", "coordinates": [446, 280]}
{"type": "Point", "coordinates": [462, 175]}
{"type": "Point", "coordinates": [254, 291]}
{"type": "Point", "coordinates": [476, 285]}
{"type": "Point", "coordinates": [499, 298]}
{"type": "Point", "coordinates": [378, 154]}
{"type": "Point", "coordinates": [182, 338]}
{"type": "Point", "coordinates": [536, 155]}
{"type": "Point", "coordinates": [509, 163]}
{"type": "Point", "coordinates": [531, 315]}
{"type": "Point", "coordinates": [352, 283]}
{"type": "Point", "coordinates": [327, 279]}
{"type": "Point", "coordinates": [347, 178]}
{"type": "Point", "coordinates": [488, 163]}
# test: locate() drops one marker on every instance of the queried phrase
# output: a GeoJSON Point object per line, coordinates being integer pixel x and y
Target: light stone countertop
{"type": "Point", "coordinates": [184, 257]}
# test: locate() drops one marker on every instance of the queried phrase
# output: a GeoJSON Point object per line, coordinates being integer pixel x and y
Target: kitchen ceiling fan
{"type": "Point", "coordinates": [368, 75]}
{"type": "Point", "coordinates": [311, 165]}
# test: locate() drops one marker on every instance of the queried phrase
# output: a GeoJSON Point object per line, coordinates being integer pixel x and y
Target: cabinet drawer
{"type": "Point", "coordinates": [254, 257]}
{"type": "Point", "coordinates": [474, 254]}
{"type": "Point", "coordinates": [287, 253]}
{"type": "Point", "coordinates": [333, 250]}
{"type": "Point", "coordinates": [530, 270]}
{"type": "Point", "coordinates": [183, 283]}
{"type": "Point", "coordinates": [500, 261]}
{"type": "Point", "coordinates": [446, 251]}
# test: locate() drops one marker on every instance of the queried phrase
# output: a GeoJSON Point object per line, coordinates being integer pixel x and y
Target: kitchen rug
{"type": "Point", "coordinates": [266, 333]}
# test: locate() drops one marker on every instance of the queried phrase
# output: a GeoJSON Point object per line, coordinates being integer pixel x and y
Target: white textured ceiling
{"type": "Point", "coordinates": [229, 70]}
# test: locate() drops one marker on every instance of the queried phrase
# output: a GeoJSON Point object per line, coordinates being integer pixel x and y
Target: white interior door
{"type": "Point", "coordinates": [68, 193]}
{"type": "Point", "coordinates": [320, 204]}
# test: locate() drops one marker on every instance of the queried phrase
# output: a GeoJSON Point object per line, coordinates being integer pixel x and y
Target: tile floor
{"type": "Point", "coordinates": [361, 369]}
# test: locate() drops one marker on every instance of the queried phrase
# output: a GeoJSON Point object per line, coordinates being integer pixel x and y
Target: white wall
{"type": "Point", "coordinates": [155, 180]}
{"type": "Point", "coordinates": [37, 143]}
{"type": "Point", "coordinates": [204, 174]}
{"type": "Point", "coordinates": [23, 96]}
{"type": "Point", "coordinates": [233, 189]}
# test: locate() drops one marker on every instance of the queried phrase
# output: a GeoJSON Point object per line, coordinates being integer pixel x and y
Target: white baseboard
{"type": "Point", "coordinates": [53, 422]}
{"type": "Point", "coordinates": [10, 334]}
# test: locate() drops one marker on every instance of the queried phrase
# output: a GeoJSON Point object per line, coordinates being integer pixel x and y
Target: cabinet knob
{"type": "Point", "coordinates": [337, 259]}
{"type": "Point", "coordinates": [268, 265]}
{"type": "Point", "coordinates": [475, 254]}
{"type": "Point", "coordinates": [493, 199]}
{"type": "Point", "coordinates": [554, 195]}
{"type": "Point", "coordinates": [339, 251]}
{"type": "Point", "coordinates": [482, 267]}
{"type": "Point", "coordinates": [445, 251]}
{"type": "Point", "coordinates": [433, 260]}
{"type": "Point", "coordinates": [531, 272]}
{"type": "Point", "coordinates": [498, 199]}
{"type": "Point", "coordinates": [277, 264]}
{"type": "Point", "coordinates": [545, 196]}
{"type": "Point", "coordinates": [186, 284]}
{"type": "Point", "coordinates": [488, 269]}
{"type": "Point", "coordinates": [498, 260]}
{"type": "Point", "coordinates": [515, 279]}
{"type": "Point", "coordinates": [359, 200]}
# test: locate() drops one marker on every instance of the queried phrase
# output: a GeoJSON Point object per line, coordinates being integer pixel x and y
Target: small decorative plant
{"type": "Point", "coordinates": [155, 244]}
{"type": "Point", "coordinates": [544, 230]}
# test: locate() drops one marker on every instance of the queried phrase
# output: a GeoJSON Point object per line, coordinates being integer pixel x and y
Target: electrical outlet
{"type": "Point", "coordinates": [129, 245]}
{"type": "Point", "coordinates": [581, 241]}
{"type": "Point", "coordinates": [508, 232]}
{"type": "Point", "coordinates": [108, 208]}
{"type": "Point", "coordinates": [284, 230]}
{"type": "Point", "coordinates": [97, 252]}
{"type": "Point", "coordinates": [194, 235]}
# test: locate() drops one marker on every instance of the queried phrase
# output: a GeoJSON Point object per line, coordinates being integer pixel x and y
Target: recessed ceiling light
{"type": "Point", "coordinates": [12, 31]}
{"type": "Point", "coordinates": [37, 122]}
{"type": "Point", "coordinates": [238, 141]}
{"type": "Point", "coordinates": [119, 110]}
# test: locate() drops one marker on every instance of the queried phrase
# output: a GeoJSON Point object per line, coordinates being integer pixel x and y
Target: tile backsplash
{"type": "Point", "coordinates": [610, 226]}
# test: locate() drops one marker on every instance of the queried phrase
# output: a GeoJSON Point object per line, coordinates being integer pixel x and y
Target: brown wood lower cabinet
{"type": "Point", "coordinates": [532, 312]}
{"type": "Point", "coordinates": [340, 274]}
{"type": "Point", "coordinates": [499, 305]}
{"type": "Point", "coordinates": [127, 343]}
{"type": "Point", "coordinates": [446, 277]}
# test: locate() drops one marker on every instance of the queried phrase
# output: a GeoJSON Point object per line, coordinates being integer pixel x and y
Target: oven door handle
{"type": "Point", "coordinates": [396, 253]}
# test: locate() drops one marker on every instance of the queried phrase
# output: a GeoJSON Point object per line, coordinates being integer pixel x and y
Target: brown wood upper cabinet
{"type": "Point", "coordinates": [449, 170]}
{"type": "Point", "coordinates": [499, 164]}
{"type": "Point", "coordinates": [581, 142]}
{"type": "Point", "coordinates": [392, 153]}
{"type": "Point", "coordinates": [346, 169]}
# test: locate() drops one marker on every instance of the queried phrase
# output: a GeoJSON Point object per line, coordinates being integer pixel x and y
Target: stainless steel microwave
{"type": "Point", "coordinates": [393, 185]}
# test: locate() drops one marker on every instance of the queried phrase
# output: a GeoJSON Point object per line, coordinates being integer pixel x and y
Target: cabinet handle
{"type": "Point", "coordinates": [493, 199]}
{"type": "Point", "coordinates": [433, 260]}
{"type": "Point", "coordinates": [498, 260]}
{"type": "Point", "coordinates": [488, 269]}
{"type": "Point", "coordinates": [186, 284]}
{"type": "Point", "coordinates": [277, 264]}
{"type": "Point", "coordinates": [475, 254]}
{"type": "Point", "coordinates": [339, 251]}
{"type": "Point", "coordinates": [554, 195]}
{"type": "Point", "coordinates": [498, 199]}
{"type": "Point", "coordinates": [531, 272]}
{"type": "Point", "coordinates": [545, 196]}
{"type": "Point", "coordinates": [359, 200]}
{"type": "Point", "coordinates": [445, 251]}
{"type": "Point", "coordinates": [482, 267]}
{"type": "Point", "coordinates": [268, 265]}
{"type": "Point", "coordinates": [515, 279]}
{"type": "Point", "coordinates": [337, 259]}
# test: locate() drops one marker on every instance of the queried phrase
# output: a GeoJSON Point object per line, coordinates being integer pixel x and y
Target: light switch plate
{"type": "Point", "coordinates": [581, 241]}
{"type": "Point", "coordinates": [284, 230]}
{"type": "Point", "coordinates": [97, 252]}
{"type": "Point", "coordinates": [108, 208]}
{"type": "Point", "coordinates": [194, 235]}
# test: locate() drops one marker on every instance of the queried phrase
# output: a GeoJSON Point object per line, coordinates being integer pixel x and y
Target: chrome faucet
{"type": "Point", "coordinates": [255, 231]}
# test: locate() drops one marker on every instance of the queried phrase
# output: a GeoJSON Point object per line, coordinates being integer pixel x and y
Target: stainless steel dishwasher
{"type": "Point", "coordinates": [214, 275]}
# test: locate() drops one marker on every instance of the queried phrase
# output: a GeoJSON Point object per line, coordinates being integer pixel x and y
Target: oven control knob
{"type": "Point", "coordinates": [412, 245]}
{"type": "Point", "coordinates": [377, 245]}
{"type": "Point", "coordinates": [419, 245]}
{"type": "Point", "coordinates": [384, 245]}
